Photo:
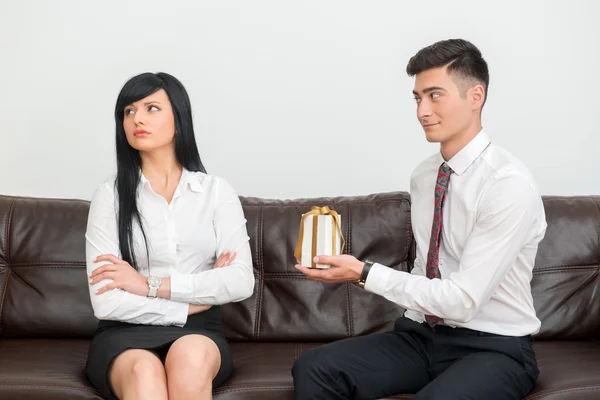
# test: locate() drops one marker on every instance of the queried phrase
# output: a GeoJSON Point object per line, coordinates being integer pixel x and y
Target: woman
{"type": "Point", "coordinates": [152, 238]}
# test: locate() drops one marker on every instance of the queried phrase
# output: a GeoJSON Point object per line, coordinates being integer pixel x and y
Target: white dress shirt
{"type": "Point", "coordinates": [493, 221]}
{"type": "Point", "coordinates": [203, 220]}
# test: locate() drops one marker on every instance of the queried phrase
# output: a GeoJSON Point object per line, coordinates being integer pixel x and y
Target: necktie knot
{"type": "Point", "coordinates": [444, 175]}
{"type": "Point", "coordinates": [445, 168]}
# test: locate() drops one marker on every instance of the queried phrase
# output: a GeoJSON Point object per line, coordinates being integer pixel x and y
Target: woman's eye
{"type": "Point", "coordinates": [152, 108]}
{"type": "Point", "coordinates": [129, 111]}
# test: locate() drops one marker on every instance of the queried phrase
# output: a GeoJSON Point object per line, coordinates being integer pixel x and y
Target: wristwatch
{"type": "Point", "coordinates": [365, 272]}
{"type": "Point", "coordinates": [153, 283]}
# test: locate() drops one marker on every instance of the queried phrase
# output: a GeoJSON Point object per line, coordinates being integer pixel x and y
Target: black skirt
{"type": "Point", "coordinates": [114, 337]}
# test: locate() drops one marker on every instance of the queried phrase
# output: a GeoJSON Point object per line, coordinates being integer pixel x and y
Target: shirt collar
{"type": "Point", "coordinates": [187, 179]}
{"type": "Point", "coordinates": [465, 157]}
{"type": "Point", "coordinates": [191, 179]}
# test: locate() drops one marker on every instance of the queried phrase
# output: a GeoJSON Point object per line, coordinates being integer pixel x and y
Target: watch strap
{"type": "Point", "coordinates": [365, 273]}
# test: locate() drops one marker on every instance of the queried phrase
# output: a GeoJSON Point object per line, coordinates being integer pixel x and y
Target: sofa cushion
{"type": "Point", "coordinates": [263, 371]}
{"type": "Point", "coordinates": [44, 369]}
{"type": "Point", "coordinates": [285, 305]}
{"type": "Point", "coordinates": [568, 370]}
{"type": "Point", "coordinates": [54, 368]}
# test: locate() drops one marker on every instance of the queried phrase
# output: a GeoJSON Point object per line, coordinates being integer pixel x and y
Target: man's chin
{"type": "Point", "coordinates": [432, 138]}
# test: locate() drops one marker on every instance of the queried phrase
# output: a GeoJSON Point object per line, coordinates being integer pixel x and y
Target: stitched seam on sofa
{"type": "Point", "coordinates": [261, 278]}
{"type": "Point", "coordinates": [29, 383]}
{"type": "Point", "coordinates": [565, 268]}
{"type": "Point", "coordinates": [7, 231]}
{"type": "Point", "coordinates": [349, 308]}
{"type": "Point", "coordinates": [48, 264]}
{"type": "Point", "coordinates": [68, 388]}
{"type": "Point", "coordinates": [565, 390]}
{"type": "Point", "coordinates": [7, 253]}
{"type": "Point", "coordinates": [598, 228]}
{"type": "Point", "coordinates": [3, 293]}
{"type": "Point", "coordinates": [294, 275]}
{"type": "Point", "coordinates": [57, 200]}
{"type": "Point", "coordinates": [40, 384]}
{"type": "Point", "coordinates": [253, 389]}
{"type": "Point", "coordinates": [291, 203]}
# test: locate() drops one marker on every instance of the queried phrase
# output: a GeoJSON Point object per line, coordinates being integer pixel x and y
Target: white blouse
{"type": "Point", "coordinates": [203, 220]}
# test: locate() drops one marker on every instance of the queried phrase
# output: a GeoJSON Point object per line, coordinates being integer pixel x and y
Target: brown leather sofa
{"type": "Point", "coordinates": [46, 320]}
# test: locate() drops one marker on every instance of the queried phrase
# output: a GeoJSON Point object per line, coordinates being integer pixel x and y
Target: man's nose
{"type": "Point", "coordinates": [423, 110]}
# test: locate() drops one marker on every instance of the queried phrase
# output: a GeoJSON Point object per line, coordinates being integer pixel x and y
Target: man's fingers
{"type": "Point", "coordinates": [326, 260]}
{"type": "Point", "coordinates": [313, 273]}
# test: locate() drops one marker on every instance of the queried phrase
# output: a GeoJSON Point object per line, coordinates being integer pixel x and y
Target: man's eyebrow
{"type": "Point", "coordinates": [430, 89]}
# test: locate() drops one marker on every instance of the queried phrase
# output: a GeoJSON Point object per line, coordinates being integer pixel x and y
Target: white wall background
{"type": "Point", "coordinates": [275, 83]}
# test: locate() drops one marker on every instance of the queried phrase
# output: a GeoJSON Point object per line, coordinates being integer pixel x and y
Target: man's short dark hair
{"type": "Point", "coordinates": [463, 59]}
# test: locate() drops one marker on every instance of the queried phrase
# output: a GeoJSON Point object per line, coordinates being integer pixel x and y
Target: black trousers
{"type": "Point", "coordinates": [445, 363]}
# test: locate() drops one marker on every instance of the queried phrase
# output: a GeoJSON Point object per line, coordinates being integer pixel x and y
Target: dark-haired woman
{"type": "Point", "coordinates": [166, 244]}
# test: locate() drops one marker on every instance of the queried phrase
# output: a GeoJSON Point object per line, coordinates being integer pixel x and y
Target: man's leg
{"type": "Point", "coordinates": [498, 375]}
{"type": "Point", "coordinates": [366, 367]}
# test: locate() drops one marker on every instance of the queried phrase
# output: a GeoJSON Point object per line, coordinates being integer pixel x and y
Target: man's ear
{"type": "Point", "coordinates": [477, 96]}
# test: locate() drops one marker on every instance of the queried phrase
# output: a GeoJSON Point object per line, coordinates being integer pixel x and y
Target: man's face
{"type": "Point", "coordinates": [444, 111]}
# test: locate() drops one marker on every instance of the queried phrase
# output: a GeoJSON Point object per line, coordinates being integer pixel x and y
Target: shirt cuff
{"type": "Point", "coordinates": [377, 279]}
{"type": "Point", "coordinates": [176, 313]}
{"type": "Point", "coordinates": [182, 287]}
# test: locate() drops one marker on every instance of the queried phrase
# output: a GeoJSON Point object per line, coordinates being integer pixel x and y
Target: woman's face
{"type": "Point", "coordinates": [149, 123]}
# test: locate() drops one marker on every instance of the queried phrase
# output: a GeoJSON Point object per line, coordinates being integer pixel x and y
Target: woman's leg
{"type": "Point", "coordinates": [138, 374]}
{"type": "Point", "coordinates": [192, 363]}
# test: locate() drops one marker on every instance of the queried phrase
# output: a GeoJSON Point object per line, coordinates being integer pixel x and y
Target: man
{"type": "Point", "coordinates": [477, 220]}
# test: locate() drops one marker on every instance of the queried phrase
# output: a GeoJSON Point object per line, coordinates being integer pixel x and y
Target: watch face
{"type": "Point", "coordinates": [153, 281]}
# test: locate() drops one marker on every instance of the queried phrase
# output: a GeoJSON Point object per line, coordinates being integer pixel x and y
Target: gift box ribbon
{"type": "Point", "coordinates": [314, 212]}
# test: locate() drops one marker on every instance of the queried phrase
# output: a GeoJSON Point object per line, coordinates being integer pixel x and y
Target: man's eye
{"type": "Point", "coordinates": [417, 99]}
{"type": "Point", "coordinates": [435, 95]}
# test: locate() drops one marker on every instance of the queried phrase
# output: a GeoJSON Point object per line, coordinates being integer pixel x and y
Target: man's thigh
{"type": "Point", "coordinates": [369, 367]}
{"type": "Point", "coordinates": [481, 375]}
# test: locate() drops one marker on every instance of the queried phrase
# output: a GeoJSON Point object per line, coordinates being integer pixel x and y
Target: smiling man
{"type": "Point", "coordinates": [477, 219]}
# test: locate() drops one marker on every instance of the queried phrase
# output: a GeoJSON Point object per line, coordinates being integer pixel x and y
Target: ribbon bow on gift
{"type": "Point", "coordinates": [315, 212]}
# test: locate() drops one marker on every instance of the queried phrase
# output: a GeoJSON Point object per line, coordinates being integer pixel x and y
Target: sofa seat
{"type": "Point", "coordinates": [47, 369]}
{"type": "Point", "coordinates": [568, 370]}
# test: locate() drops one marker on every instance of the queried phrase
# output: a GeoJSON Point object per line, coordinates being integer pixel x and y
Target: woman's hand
{"type": "Point", "coordinates": [123, 276]}
{"type": "Point", "coordinates": [225, 259]}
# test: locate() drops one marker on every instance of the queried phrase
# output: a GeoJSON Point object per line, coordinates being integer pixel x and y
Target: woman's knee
{"type": "Point", "coordinates": [137, 369]}
{"type": "Point", "coordinates": [193, 356]}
